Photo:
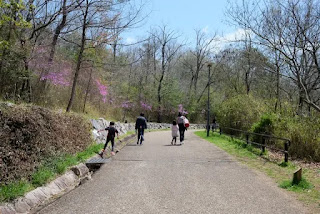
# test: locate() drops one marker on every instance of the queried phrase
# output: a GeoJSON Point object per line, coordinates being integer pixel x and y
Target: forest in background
{"type": "Point", "coordinates": [71, 55]}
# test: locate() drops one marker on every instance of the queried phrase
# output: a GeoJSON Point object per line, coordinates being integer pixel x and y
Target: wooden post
{"type": "Point", "coordinates": [247, 138]}
{"type": "Point", "coordinates": [286, 150]}
{"type": "Point", "coordinates": [263, 148]}
{"type": "Point", "coordinates": [220, 130]}
{"type": "Point", "coordinates": [297, 176]}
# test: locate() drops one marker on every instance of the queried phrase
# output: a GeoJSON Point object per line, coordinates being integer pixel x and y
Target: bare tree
{"type": "Point", "coordinates": [168, 46]}
{"type": "Point", "coordinates": [199, 57]}
{"type": "Point", "coordinates": [292, 29]}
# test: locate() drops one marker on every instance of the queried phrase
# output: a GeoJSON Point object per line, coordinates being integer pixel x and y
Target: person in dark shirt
{"type": "Point", "coordinates": [112, 131]}
{"type": "Point", "coordinates": [181, 124]}
{"type": "Point", "coordinates": [141, 125]}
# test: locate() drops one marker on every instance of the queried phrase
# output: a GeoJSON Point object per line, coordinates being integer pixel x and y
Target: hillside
{"type": "Point", "coordinates": [32, 134]}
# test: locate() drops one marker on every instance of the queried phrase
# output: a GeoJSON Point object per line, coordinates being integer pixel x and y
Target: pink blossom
{"type": "Point", "coordinates": [58, 78]}
{"type": "Point", "coordinates": [126, 104]}
{"type": "Point", "coordinates": [145, 106]}
{"type": "Point", "coordinates": [102, 90]}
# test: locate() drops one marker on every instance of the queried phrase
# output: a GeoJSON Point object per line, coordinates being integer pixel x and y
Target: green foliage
{"type": "Point", "coordinates": [283, 164]}
{"type": "Point", "coordinates": [265, 125]}
{"type": "Point", "coordinates": [42, 176]}
{"type": "Point", "coordinates": [13, 190]}
{"type": "Point", "coordinates": [239, 112]}
{"type": "Point", "coordinates": [91, 150]}
{"type": "Point", "coordinates": [303, 133]}
{"type": "Point", "coordinates": [63, 164]}
{"type": "Point", "coordinates": [303, 185]}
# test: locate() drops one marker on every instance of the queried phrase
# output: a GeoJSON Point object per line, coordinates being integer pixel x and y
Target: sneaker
{"type": "Point", "coordinates": [101, 154]}
{"type": "Point", "coordinates": [137, 142]}
{"type": "Point", "coordinates": [112, 153]}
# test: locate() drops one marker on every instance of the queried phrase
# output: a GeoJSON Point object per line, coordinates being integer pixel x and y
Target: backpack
{"type": "Point", "coordinates": [180, 120]}
{"type": "Point", "coordinates": [186, 123]}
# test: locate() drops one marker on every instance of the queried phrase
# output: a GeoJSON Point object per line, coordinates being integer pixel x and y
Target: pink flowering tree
{"type": "Point", "coordinates": [58, 78]}
{"type": "Point", "coordinates": [57, 73]}
{"type": "Point", "coordinates": [103, 90]}
{"type": "Point", "coordinates": [126, 104]}
{"type": "Point", "coordinates": [145, 106]}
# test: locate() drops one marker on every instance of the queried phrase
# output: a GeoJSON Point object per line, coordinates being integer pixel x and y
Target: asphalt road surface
{"type": "Point", "coordinates": [156, 177]}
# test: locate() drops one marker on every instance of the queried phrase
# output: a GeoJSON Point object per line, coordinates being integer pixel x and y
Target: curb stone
{"type": "Point", "coordinates": [42, 195]}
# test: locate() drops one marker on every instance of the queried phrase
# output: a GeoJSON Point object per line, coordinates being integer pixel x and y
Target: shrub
{"type": "Point", "coordinates": [264, 126]}
{"type": "Point", "coordinates": [304, 134]}
{"type": "Point", "coordinates": [239, 112]}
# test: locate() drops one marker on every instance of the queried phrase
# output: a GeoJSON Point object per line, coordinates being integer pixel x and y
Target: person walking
{"type": "Point", "coordinates": [182, 128]}
{"type": "Point", "coordinates": [112, 131]}
{"type": "Point", "coordinates": [141, 125]}
{"type": "Point", "coordinates": [174, 132]}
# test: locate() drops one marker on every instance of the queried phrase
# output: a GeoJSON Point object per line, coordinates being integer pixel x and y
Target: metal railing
{"type": "Point", "coordinates": [266, 141]}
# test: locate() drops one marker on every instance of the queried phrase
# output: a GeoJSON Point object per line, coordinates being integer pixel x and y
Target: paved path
{"type": "Point", "coordinates": [196, 177]}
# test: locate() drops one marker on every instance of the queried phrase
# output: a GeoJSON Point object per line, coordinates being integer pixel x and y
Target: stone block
{"type": "Point", "coordinates": [52, 189]}
{"type": "Point", "coordinates": [7, 209]}
{"type": "Point", "coordinates": [80, 170]}
{"type": "Point", "coordinates": [21, 206]}
{"type": "Point", "coordinates": [32, 200]}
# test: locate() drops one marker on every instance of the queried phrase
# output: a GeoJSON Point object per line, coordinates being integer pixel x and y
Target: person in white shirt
{"type": "Point", "coordinates": [174, 132]}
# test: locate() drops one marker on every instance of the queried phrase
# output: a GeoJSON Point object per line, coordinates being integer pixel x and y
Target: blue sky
{"type": "Point", "coordinates": [184, 16]}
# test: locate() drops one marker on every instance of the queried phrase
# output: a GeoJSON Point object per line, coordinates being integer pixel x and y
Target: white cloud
{"type": "Point", "coordinates": [233, 36]}
{"type": "Point", "coordinates": [222, 41]}
{"type": "Point", "coordinates": [131, 40]}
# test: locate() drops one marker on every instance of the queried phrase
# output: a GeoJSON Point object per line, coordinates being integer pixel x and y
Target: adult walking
{"type": "Point", "coordinates": [182, 128]}
{"type": "Point", "coordinates": [141, 125]}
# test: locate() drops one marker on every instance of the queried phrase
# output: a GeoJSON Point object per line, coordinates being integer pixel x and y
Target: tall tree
{"type": "Point", "coordinates": [168, 46]}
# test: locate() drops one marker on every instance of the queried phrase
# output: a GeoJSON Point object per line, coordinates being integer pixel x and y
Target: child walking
{"type": "Point", "coordinates": [112, 131]}
{"type": "Point", "coordinates": [174, 132]}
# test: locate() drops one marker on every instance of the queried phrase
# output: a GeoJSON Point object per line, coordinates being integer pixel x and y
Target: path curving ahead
{"type": "Point", "coordinates": [196, 177]}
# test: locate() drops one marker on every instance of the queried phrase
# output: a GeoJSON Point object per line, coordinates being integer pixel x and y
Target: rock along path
{"type": "Point", "coordinates": [156, 177]}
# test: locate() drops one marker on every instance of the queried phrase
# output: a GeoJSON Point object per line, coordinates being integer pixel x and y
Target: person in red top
{"type": "Point", "coordinates": [112, 131]}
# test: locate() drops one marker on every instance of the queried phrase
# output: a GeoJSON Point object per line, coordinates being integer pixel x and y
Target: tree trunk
{"type": "Point", "coordinates": [278, 104]}
{"type": "Point", "coordinates": [54, 43]}
{"type": "Point", "coordinates": [80, 55]}
{"type": "Point", "coordinates": [163, 69]}
{"type": "Point", "coordinates": [87, 91]}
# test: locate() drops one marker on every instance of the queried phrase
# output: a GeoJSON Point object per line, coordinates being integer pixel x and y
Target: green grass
{"type": "Point", "coordinates": [13, 190]}
{"type": "Point", "coordinates": [231, 145]}
{"type": "Point", "coordinates": [41, 176]}
{"type": "Point", "coordinates": [303, 185]}
{"type": "Point", "coordinates": [308, 189]}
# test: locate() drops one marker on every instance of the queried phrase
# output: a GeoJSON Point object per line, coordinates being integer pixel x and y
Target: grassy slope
{"type": "Point", "coordinates": [308, 191]}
